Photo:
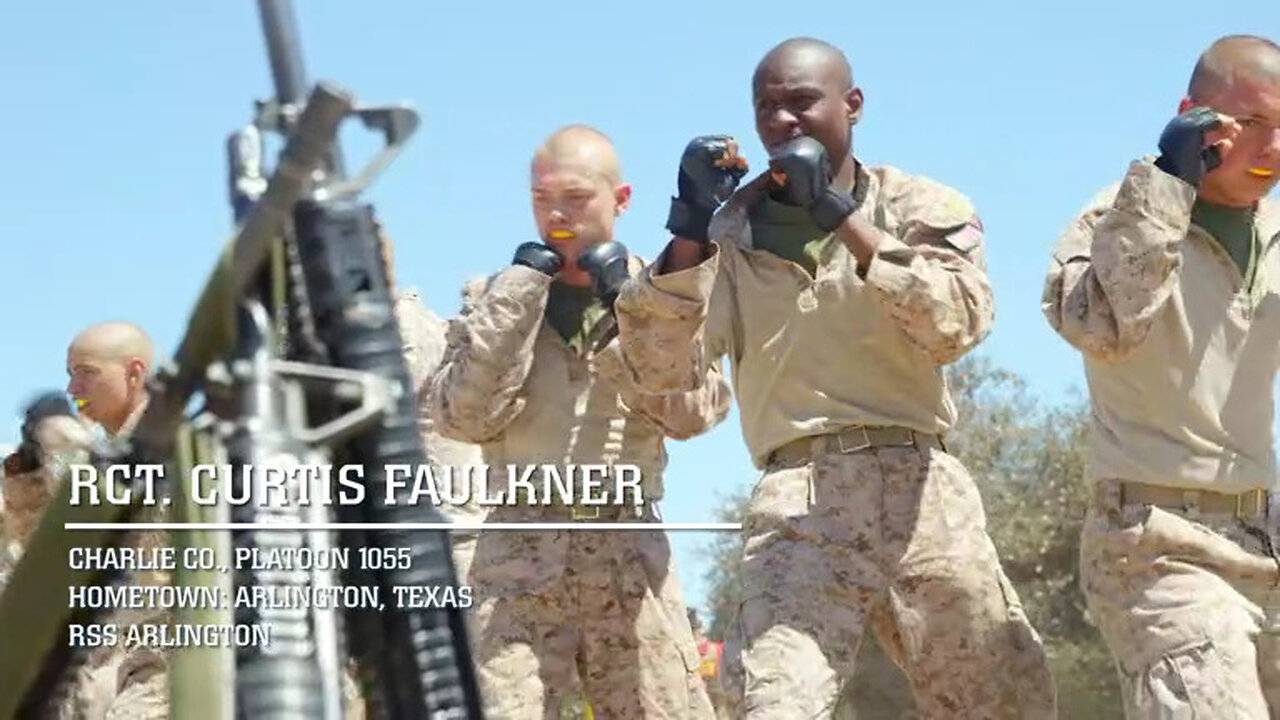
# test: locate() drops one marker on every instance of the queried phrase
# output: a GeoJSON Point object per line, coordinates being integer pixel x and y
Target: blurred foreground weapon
{"type": "Point", "coordinates": [294, 348]}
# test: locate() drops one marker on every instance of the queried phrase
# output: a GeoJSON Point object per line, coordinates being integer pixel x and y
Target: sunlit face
{"type": "Point", "coordinates": [105, 390]}
{"type": "Point", "coordinates": [575, 207]}
{"type": "Point", "coordinates": [803, 93]}
{"type": "Point", "coordinates": [1251, 168]}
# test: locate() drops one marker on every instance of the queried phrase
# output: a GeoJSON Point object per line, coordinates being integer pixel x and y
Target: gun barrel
{"type": "Point", "coordinates": [281, 30]}
{"type": "Point", "coordinates": [30, 607]}
{"type": "Point", "coordinates": [288, 72]}
{"type": "Point", "coordinates": [211, 329]}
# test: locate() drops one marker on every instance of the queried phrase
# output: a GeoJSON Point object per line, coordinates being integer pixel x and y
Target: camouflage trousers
{"type": "Point", "coordinates": [892, 539]}
{"type": "Point", "coordinates": [1189, 607]}
{"type": "Point", "coordinates": [593, 612]}
{"type": "Point", "coordinates": [118, 685]}
{"type": "Point", "coordinates": [134, 685]}
{"type": "Point", "coordinates": [464, 552]}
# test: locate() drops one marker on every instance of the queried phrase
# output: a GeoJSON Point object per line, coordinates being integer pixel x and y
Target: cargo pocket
{"type": "Point", "coordinates": [646, 578]}
{"type": "Point", "coordinates": [1027, 665]}
{"type": "Point", "coordinates": [732, 673]}
{"type": "Point", "coordinates": [511, 564]}
{"type": "Point", "coordinates": [1191, 679]}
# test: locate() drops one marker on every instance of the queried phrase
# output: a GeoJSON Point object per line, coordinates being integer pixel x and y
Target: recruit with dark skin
{"type": "Point", "coordinates": [803, 87]}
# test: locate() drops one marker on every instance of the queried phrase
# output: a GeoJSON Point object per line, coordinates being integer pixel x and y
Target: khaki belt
{"type": "Point", "coordinates": [1248, 504]}
{"type": "Point", "coordinates": [586, 513]}
{"type": "Point", "coordinates": [606, 513]}
{"type": "Point", "coordinates": [854, 439]}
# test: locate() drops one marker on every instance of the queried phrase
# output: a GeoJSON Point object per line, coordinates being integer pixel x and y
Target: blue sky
{"type": "Point", "coordinates": [118, 113]}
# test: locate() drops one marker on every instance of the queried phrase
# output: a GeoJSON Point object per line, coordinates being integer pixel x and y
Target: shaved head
{"type": "Point", "coordinates": [1238, 77]}
{"type": "Point", "coordinates": [578, 194]}
{"type": "Point", "coordinates": [1229, 59]}
{"type": "Point", "coordinates": [808, 52]}
{"type": "Point", "coordinates": [115, 341]}
{"type": "Point", "coordinates": [109, 365]}
{"type": "Point", "coordinates": [582, 147]}
{"type": "Point", "coordinates": [804, 86]}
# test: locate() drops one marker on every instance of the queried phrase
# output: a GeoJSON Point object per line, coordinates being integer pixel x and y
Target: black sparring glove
{"type": "Point", "coordinates": [1182, 151]}
{"type": "Point", "coordinates": [539, 257]}
{"type": "Point", "coordinates": [607, 264]}
{"type": "Point", "coordinates": [46, 406]}
{"type": "Point", "coordinates": [710, 170]}
{"type": "Point", "coordinates": [803, 171]}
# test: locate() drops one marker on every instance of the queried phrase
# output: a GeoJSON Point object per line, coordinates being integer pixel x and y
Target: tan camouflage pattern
{"type": "Point", "coordinates": [477, 392]}
{"type": "Point", "coordinates": [139, 687]}
{"type": "Point", "coordinates": [353, 699]}
{"type": "Point", "coordinates": [892, 539]}
{"type": "Point", "coordinates": [1180, 361]}
{"type": "Point", "coordinates": [597, 614]}
{"type": "Point", "coordinates": [562, 614]}
{"type": "Point", "coordinates": [511, 384]}
{"type": "Point", "coordinates": [425, 336]}
{"type": "Point", "coordinates": [114, 682]}
{"type": "Point", "coordinates": [1190, 607]}
{"type": "Point", "coordinates": [924, 302]}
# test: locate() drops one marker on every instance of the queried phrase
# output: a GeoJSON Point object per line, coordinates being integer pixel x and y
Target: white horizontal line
{"type": "Point", "coordinates": [585, 525]}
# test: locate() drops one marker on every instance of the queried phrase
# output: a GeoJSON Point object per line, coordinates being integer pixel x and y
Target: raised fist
{"type": "Point", "coordinates": [607, 264]}
{"type": "Point", "coordinates": [40, 432]}
{"type": "Point", "coordinates": [710, 170]}
{"type": "Point", "coordinates": [1186, 149]}
{"type": "Point", "coordinates": [539, 257]}
{"type": "Point", "coordinates": [801, 168]}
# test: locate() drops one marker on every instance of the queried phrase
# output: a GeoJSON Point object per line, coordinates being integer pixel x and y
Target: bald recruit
{"type": "Point", "coordinates": [108, 365]}
{"type": "Point", "coordinates": [1232, 57]}
{"type": "Point", "coordinates": [582, 148]}
{"type": "Point", "coordinates": [808, 53]}
{"type": "Point", "coordinates": [1163, 284]}
{"type": "Point", "coordinates": [860, 520]}
{"type": "Point", "coordinates": [531, 374]}
{"type": "Point", "coordinates": [115, 341]}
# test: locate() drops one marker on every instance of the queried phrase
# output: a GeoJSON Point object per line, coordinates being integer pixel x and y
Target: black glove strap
{"type": "Point", "coordinates": [1211, 158]}
{"type": "Point", "coordinates": [688, 221]}
{"type": "Point", "coordinates": [830, 210]}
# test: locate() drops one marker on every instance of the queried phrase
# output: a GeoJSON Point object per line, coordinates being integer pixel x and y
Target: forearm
{"type": "Point", "coordinates": [688, 414]}
{"type": "Point", "coordinates": [662, 323]}
{"type": "Point", "coordinates": [1117, 266]}
{"type": "Point", "coordinates": [682, 254]}
{"type": "Point", "coordinates": [26, 495]}
{"type": "Point", "coordinates": [475, 392]}
{"type": "Point", "coordinates": [934, 289]}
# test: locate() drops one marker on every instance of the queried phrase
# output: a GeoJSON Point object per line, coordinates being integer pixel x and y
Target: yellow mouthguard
{"type": "Point", "coordinates": [81, 402]}
{"type": "Point", "coordinates": [561, 234]}
{"type": "Point", "coordinates": [1261, 172]}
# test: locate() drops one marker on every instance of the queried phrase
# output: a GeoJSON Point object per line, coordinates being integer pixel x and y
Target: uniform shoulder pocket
{"type": "Point", "coordinates": [967, 237]}
{"type": "Point", "coordinates": [934, 214]}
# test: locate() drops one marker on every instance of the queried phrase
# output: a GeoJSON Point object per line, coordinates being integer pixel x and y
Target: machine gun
{"type": "Point", "coordinates": [296, 352]}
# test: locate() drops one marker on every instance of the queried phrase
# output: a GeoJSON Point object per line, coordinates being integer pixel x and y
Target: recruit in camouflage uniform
{"type": "Point", "coordinates": [558, 613]}
{"type": "Point", "coordinates": [861, 518]}
{"type": "Point", "coordinates": [115, 682]}
{"type": "Point", "coordinates": [1168, 285]}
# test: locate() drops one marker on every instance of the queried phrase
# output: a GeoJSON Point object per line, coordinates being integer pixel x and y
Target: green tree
{"type": "Point", "coordinates": [1029, 461]}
